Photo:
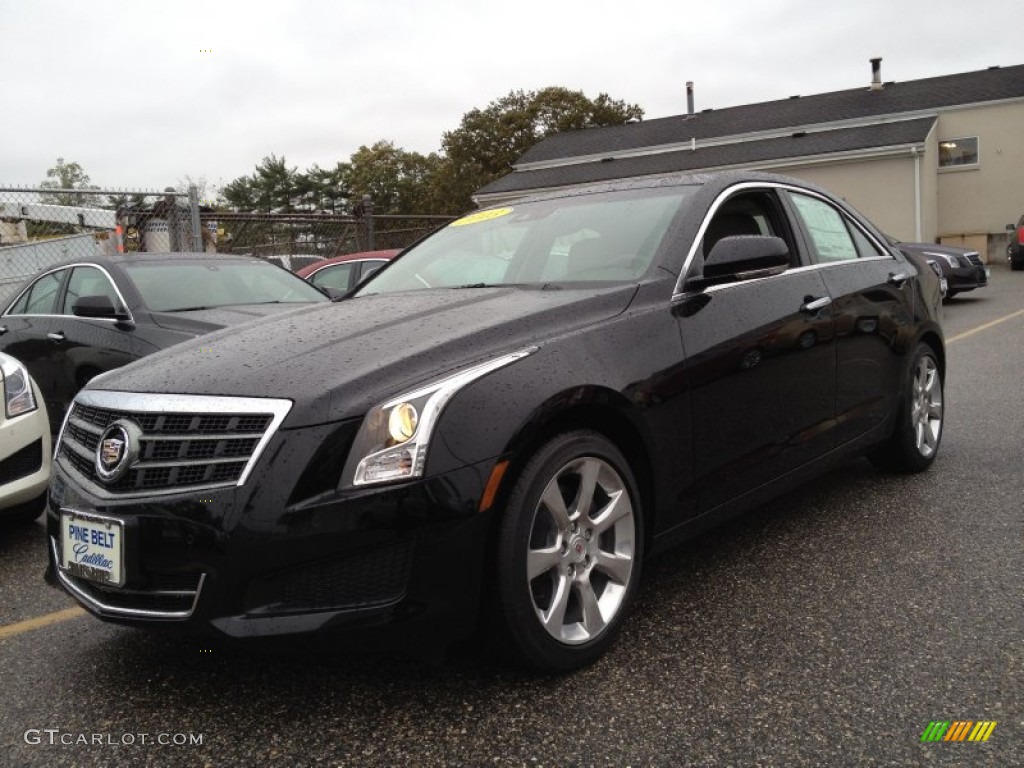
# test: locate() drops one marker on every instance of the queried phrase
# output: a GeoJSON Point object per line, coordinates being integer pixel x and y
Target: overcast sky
{"type": "Point", "coordinates": [143, 94]}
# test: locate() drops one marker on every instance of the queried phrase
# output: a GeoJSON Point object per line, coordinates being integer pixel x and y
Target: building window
{"type": "Point", "coordinates": [957, 152]}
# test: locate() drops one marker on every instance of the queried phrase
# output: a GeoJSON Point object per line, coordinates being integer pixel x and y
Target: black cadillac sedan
{"type": "Point", "coordinates": [78, 319]}
{"type": "Point", "coordinates": [962, 267]}
{"type": "Point", "coordinates": [500, 426]}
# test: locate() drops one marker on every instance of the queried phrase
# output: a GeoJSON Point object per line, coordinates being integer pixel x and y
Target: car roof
{"type": "Point", "coordinates": [121, 259]}
{"type": "Point", "coordinates": [384, 255]}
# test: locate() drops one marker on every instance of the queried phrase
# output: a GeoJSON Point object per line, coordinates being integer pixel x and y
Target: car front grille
{"type": "Point", "coordinates": [22, 463]}
{"type": "Point", "coordinates": [974, 258]}
{"type": "Point", "coordinates": [184, 441]}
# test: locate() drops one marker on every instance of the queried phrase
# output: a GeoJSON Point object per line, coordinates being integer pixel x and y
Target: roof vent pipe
{"type": "Point", "coordinates": [689, 98]}
{"type": "Point", "coordinates": [876, 74]}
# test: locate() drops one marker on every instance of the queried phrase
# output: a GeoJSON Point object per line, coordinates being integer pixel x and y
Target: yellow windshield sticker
{"type": "Point", "coordinates": [476, 218]}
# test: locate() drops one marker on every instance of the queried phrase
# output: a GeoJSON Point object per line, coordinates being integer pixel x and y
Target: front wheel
{"type": "Point", "coordinates": [915, 440]}
{"type": "Point", "coordinates": [569, 553]}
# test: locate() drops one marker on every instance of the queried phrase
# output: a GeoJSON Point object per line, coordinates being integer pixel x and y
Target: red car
{"type": "Point", "coordinates": [344, 272]}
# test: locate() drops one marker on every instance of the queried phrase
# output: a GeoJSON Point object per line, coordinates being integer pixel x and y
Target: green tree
{"type": "Point", "coordinates": [398, 181]}
{"type": "Point", "coordinates": [65, 176]}
{"type": "Point", "coordinates": [275, 185]}
{"type": "Point", "coordinates": [488, 141]}
{"type": "Point", "coordinates": [322, 190]}
{"type": "Point", "coordinates": [241, 194]}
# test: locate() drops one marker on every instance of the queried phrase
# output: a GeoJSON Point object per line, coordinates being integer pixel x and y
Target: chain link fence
{"type": "Point", "coordinates": [43, 227]}
{"type": "Point", "coordinates": [295, 240]}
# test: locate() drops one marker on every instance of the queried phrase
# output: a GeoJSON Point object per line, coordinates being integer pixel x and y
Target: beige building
{"type": "Point", "coordinates": [939, 159]}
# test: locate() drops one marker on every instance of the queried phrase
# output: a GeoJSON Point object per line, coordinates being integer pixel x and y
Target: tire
{"type": "Point", "coordinates": [1017, 266]}
{"type": "Point", "coordinates": [567, 575]}
{"type": "Point", "coordinates": [23, 513]}
{"type": "Point", "coordinates": [915, 439]}
{"type": "Point", "coordinates": [951, 294]}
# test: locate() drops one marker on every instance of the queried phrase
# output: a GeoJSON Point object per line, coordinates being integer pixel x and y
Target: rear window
{"type": "Point", "coordinates": [177, 287]}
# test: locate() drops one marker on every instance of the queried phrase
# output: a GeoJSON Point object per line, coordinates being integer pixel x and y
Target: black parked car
{"type": "Point", "coordinates": [962, 267]}
{"type": "Point", "coordinates": [503, 422]}
{"type": "Point", "coordinates": [82, 318]}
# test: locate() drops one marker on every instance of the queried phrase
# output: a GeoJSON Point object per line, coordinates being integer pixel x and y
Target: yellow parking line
{"type": "Point", "coordinates": [40, 621]}
{"type": "Point", "coordinates": [986, 326]}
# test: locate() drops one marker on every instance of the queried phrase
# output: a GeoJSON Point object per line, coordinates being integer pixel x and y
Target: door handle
{"type": "Point", "coordinates": [57, 336]}
{"type": "Point", "coordinates": [898, 278]}
{"type": "Point", "coordinates": [811, 305]}
{"type": "Point", "coordinates": [3, 330]}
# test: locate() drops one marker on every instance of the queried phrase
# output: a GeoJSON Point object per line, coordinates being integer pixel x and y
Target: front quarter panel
{"type": "Point", "coordinates": [619, 377]}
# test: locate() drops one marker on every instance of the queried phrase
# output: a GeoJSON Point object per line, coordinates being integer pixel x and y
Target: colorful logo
{"type": "Point", "coordinates": [958, 730]}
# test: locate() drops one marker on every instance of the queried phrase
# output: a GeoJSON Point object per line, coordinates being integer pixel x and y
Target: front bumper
{"type": "Point", "coordinates": [255, 561]}
{"type": "Point", "coordinates": [25, 459]}
{"type": "Point", "coordinates": [967, 278]}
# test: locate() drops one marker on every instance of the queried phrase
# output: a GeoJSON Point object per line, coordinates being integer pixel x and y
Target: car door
{"type": "Point", "coordinates": [872, 302]}
{"type": "Point", "coordinates": [26, 328]}
{"type": "Point", "coordinates": [87, 346]}
{"type": "Point", "coordinates": [760, 360]}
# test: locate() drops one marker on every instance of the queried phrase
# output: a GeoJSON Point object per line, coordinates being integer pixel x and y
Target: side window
{"type": "Point", "coordinates": [826, 228]}
{"type": "Point", "coordinates": [748, 213]}
{"type": "Point", "coordinates": [370, 266]}
{"type": "Point", "coordinates": [337, 276]}
{"type": "Point", "coordinates": [88, 281]}
{"type": "Point", "coordinates": [41, 298]}
{"type": "Point", "coordinates": [865, 247]}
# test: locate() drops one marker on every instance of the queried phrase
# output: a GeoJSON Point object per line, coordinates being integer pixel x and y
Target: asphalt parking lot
{"type": "Point", "coordinates": [828, 628]}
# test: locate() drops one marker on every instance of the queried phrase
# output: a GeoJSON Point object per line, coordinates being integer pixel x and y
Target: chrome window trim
{"type": "Point", "coordinates": [105, 608]}
{"type": "Point", "coordinates": [678, 291]}
{"type": "Point", "coordinates": [131, 318]}
{"type": "Point", "coordinates": [794, 271]}
{"type": "Point", "coordinates": [159, 403]}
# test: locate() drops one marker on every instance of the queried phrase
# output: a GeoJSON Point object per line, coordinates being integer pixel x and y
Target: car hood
{"type": "Point", "coordinates": [337, 360]}
{"type": "Point", "coordinates": [206, 320]}
{"type": "Point", "coordinates": [926, 248]}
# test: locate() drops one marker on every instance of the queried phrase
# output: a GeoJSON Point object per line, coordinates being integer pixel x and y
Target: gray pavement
{"type": "Point", "coordinates": [824, 629]}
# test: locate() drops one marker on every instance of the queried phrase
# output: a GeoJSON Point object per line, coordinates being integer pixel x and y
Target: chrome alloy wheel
{"type": "Point", "coordinates": [926, 413]}
{"type": "Point", "coordinates": [581, 550]}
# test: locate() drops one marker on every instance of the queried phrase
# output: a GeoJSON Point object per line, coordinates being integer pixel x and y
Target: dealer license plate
{"type": "Point", "coordinates": [92, 548]}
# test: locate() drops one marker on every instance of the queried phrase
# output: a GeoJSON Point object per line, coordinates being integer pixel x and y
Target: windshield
{"type": "Point", "coordinates": [608, 237]}
{"type": "Point", "coordinates": [180, 286]}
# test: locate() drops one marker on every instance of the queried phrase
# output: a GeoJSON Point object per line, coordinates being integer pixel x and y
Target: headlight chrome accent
{"type": "Point", "coordinates": [393, 439]}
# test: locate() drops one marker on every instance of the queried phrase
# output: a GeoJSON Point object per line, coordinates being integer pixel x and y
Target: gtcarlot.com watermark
{"type": "Point", "coordinates": [57, 737]}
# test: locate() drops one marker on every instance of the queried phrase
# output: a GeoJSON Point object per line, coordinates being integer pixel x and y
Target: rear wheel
{"type": "Point", "coordinates": [915, 440]}
{"type": "Point", "coordinates": [569, 553]}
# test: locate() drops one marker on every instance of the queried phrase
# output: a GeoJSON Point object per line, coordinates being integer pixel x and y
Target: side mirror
{"type": "Point", "coordinates": [97, 306]}
{"type": "Point", "coordinates": [742, 257]}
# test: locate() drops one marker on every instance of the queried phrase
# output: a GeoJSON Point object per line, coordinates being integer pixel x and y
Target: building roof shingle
{"type": "Point", "coordinates": [993, 84]}
{"type": "Point", "coordinates": [811, 143]}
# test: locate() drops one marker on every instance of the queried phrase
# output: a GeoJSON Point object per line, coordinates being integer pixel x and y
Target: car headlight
{"type": "Point", "coordinates": [18, 396]}
{"type": "Point", "coordinates": [393, 439]}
